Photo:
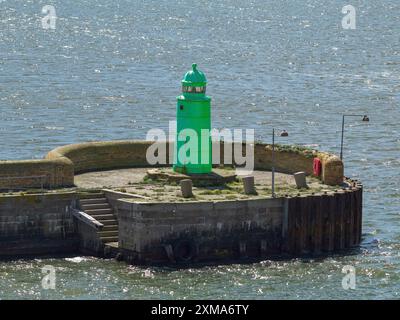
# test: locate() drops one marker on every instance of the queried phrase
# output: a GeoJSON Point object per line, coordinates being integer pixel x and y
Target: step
{"type": "Point", "coordinates": [109, 239]}
{"type": "Point", "coordinates": [103, 234]}
{"type": "Point", "coordinates": [108, 222]}
{"type": "Point", "coordinates": [107, 217]}
{"type": "Point", "coordinates": [111, 227]}
{"type": "Point", "coordinates": [93, 200]}
{"type": "Point", "coordinates": [91, 206]}
{"type": "Point", "coordinates": [91, 195]}
{"type": "Point", "coordinates": [96, 212]}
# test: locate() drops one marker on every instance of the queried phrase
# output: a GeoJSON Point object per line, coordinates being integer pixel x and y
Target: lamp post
{"type": "Point", "coordinates": [365, 118]}
{"type": "Point", "coordinates": [283, 133]}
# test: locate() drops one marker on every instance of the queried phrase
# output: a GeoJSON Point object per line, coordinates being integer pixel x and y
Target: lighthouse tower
{"type": "Point", "coordinates": [192, 154]}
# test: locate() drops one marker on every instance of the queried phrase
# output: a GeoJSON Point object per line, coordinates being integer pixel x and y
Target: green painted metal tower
{"type": "Point", "coordinates": [193, 153]}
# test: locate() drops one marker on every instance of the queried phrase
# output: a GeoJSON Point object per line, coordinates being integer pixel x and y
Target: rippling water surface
{"type": "Point", "coordinates": [111, 70]}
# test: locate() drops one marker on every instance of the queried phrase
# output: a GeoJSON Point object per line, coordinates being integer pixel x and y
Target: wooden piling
{"type": "Point", "coordinates": [317, 234]}
{"type": "Point", "coordinates": [339, 225]}
{"type": "Point", "coordinates": [346, 199]}
{"type": "Point", "coordinates": [292, 229]}
{"type": "Point", "coordinates": [323, 222]}
{"type": "Point", "coordinates": [360, 200]}
{"type": "Point", "coordinates": [353, 196]}
{"type": "Point", "coordinates": [311, 223]}
{"type": "Point", "coordinates": [299, 226]}
{"type": "Point", "coordinates": [332, 216]}
{"type": "Point", "coordinates": [304, 225]}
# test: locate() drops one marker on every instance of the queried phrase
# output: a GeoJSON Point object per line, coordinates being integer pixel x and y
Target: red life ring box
{"type": "Point", "coordinates": [317, 167]}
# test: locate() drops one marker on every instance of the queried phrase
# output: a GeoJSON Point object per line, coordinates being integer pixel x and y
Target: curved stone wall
{"type": "Point", "coordinates": [93, 156]}
{"type": "Point", "coordinates": [290, 161]}
{"type": "Point", "coordinates": [45, 173]}
{"type": "Point", "coordinates": [60, 165]}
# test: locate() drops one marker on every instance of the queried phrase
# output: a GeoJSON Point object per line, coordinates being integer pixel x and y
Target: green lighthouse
{"type": "Point", "coordinates": [192, 153]}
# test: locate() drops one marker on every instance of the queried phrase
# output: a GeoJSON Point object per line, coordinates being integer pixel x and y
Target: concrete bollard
{"type": "Point", "coordinates": [300, 178]}
{"type": "Point", "coordinates": [186, 188]}
{"type": "Point", "coordinates": [248, 184]}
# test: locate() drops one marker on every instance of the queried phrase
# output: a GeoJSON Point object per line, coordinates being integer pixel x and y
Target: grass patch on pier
{"type": "Point", "coordinates": [157, 191]}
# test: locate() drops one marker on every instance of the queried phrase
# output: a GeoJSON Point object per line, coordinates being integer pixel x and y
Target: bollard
{"type": "Point", "coordinates": [186, 188]}
{"type": "Point", "coordinates": [248, 184]}
{"type": "Point", "coordinates": [300, 178]}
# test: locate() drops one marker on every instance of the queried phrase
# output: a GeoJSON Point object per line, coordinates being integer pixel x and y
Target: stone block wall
{"type": "Point", "coordinates": [37, 224]}
{"type": "Point", "coordinates": [89, 240]}
{"type": "Point", "coordinates": [113, 198]}
{"type": "Point", "coordinates": [202, 231]}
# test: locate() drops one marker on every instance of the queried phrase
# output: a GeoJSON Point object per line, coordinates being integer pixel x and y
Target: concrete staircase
{"type": "Point", "coordinates": [97, 206]}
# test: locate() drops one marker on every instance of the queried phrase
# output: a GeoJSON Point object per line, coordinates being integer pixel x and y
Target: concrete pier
{"type": "Point", "coordinates": [232, 230]}
{"type": "Point", "coordinates": [147, 224]}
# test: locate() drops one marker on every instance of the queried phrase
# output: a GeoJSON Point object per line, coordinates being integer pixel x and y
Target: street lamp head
{"type": "Point", "coordinates": [365, 118]}
{"type": "Point", "coordinates": [284, 133]}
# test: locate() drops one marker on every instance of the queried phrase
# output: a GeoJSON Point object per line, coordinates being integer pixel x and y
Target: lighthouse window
{"type": "Point", "coordinates": [200, 89]}
{"type": "Point", "coordinates": [187, 89]}
{"type": "Point", "coordinates": [190, 89]}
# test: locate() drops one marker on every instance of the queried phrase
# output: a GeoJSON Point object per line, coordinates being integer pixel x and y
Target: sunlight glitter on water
{"type": "Point", "coordinates": [285, 64]}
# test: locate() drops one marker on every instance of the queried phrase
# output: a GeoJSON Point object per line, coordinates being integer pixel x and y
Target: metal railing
{"type": "Point", "coordinates": [87, 219]}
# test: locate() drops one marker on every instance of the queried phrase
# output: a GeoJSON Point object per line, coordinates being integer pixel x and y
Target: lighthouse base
{"type": "Point", "coordinates": [217, 177]}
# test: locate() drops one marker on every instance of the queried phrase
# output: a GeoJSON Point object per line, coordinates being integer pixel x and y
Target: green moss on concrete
{"type": "Point", "coordinates": [296, 149]}
{"type": "Point", "coordinates": [156, 191]}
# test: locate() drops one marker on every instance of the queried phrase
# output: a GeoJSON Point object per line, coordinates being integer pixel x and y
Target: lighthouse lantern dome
{"type": "Point", "coordinates": [194, 81]}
